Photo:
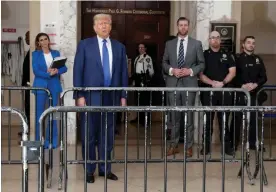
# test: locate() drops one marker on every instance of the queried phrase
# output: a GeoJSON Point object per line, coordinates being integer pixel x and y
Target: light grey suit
{"type": "Point", "coordinates": [194, 59]}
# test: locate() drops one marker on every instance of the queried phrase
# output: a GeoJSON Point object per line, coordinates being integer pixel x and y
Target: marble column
{"type": "Point", "coordinates": [63, 19]}
{"type": "Point", "coordinates": [34, 20]}
{"type": "Point", "coordinates": [178, 9]}
{"type": "Point", "coordinates": [208, 11]}
{"type": "Point", "coordinates": [236, 15]}
{"type": "Point", "coordinates": [174, 15]}
{"type": "Point", "coordinates": [68, 44]}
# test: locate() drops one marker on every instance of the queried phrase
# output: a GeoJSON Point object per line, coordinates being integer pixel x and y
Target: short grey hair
{"type": "Point", "coordinates": [101, 16]}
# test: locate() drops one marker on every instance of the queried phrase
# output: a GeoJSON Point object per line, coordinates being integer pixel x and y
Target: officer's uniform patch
{"type": "Point", "coordinates": [257, 61]}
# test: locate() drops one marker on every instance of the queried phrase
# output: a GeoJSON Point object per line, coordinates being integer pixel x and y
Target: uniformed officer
{"type": "Point", "coordinates": [251, 75]}
{"type": "Point", "coordinates": [219, 71]}
{"type": "Point", "coordinates": [143, 71]}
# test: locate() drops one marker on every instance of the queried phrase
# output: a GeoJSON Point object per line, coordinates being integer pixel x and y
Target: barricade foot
{"type": "Point", "coordinates": [251, 182]}
{"type": "Point", "coordinates": [48, 175]}
{"type": "Point", "coordinates": [60, 178]}
{"type": "Point", "coordinates": [264, 177]}
{"type": "Point", "coordinates": [240, 171]}
{"type": "Point", "coordinates": [258, 167]}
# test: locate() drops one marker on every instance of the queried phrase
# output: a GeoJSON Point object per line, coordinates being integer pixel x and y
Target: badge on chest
{"type": "Point", "coordinates": [257, 61]}
{"type": "Point", "coordinates": [223, 58]}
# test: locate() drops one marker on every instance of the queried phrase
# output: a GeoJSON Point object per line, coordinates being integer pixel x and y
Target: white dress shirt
{"type": "Point", "coordinates": [48, 59]}
{"type": "Point", "coordinates": [185, 45]}
{"type": "Point", "coordinates": [109, 48]}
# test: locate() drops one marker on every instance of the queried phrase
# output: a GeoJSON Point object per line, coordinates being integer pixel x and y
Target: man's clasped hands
{"type": "Point", "coordinates": [250, 86]}
{"type": "Point", "coordinates": [247, 86]}
{"type": "Point", "coordinates": [182, 72]}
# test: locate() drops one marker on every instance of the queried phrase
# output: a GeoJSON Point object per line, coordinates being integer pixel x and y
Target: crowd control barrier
{"type": "Point", "coordinates": [25, 102]}
{"type": "Point", "coordinates": [245, 155]}
{"type": "Point", "coordinates": [153, 95]}
{"type": "Point", "coordinates": [30, 149]}
{"type": "Point", "coordinates": [266, 96]}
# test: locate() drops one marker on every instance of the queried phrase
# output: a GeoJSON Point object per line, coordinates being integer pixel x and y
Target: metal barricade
{"type": "Point", "coordinates": [29, 148]}
{"type": "Point", "coordinates": [163, 90]}
{"type": "Point", "coordinates": [26, 91]}
{"type": "Point", "coordinates": [261, 97]}
{"type": "Point", "coordinates": [145, 161]}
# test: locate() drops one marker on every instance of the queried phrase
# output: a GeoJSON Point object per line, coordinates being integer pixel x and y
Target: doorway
{"type": "Point", "coordinates": [131, 28]}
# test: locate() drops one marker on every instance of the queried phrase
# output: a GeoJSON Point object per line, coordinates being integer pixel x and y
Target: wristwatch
{"type": "Point", "coordinates": [224, 82]}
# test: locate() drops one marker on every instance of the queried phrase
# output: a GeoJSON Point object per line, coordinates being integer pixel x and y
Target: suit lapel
{"type": "Point", "coordinates": [43, 59]}
{"type": "Point", "coordinates": [96, 50]}
{"type": "Point", "coordinates": [189, 49]}
{"type": "Point", "coordinates": [113, 47]}
{"type": "Point", "coordinates": [53, 54]}
{"type": "Point", "coordinates": [175, 46]}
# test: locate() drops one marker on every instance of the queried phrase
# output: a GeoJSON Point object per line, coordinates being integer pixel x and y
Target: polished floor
{"type": "Point", "coordinates": [136, 180]}
{"type": "Point", "coordinates": [11, 174]}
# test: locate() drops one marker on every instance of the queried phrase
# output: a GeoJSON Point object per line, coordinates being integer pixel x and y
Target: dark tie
{"type": "Point", "coordinates": [181, 54]}
{"type": "Point", "coordinates": [106, 67]}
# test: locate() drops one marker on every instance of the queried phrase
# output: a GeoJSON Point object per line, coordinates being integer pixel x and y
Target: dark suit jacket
{"type": "Point", "coordinates": [26, 70]}
{"type": "Point", "coordinates": [194, 59]}
{"type": "Point", "coordinates": [88, 70]}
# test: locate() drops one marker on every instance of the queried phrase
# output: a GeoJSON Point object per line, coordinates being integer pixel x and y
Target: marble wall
{"type": "Point", "coordinates": [68, 44]}
{"type": "Point", "coordinates": [208, 11]}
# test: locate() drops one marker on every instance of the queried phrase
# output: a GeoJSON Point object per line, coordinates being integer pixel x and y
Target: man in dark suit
{"type": "Point", "coordinates": [100, 62]}
{"type": "Point", "coordinates": [26, 79]}
{"type": "Point", "coordinates": [183, 60]}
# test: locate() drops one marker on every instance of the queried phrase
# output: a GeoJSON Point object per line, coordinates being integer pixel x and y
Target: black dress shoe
{"type": "Point", "coordinates": [110, 176]}
{"type": "Point", "coordinates": [90, 178]}
{"type": "Point", "coordinates": [134, 120]}
{"type": "Point", "coordinates": [207, 151]}
{"type": "Point", "coordinates": [117, 132]}
{"type": "Point", "coordinates": [229, 151]}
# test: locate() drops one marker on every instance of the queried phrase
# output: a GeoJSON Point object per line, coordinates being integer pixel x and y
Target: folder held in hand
{"type": "Point", "coordinates": [58, 62]}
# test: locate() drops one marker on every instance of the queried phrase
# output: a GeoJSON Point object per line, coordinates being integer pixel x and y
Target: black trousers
{"type": "Point", "coordinates": [27, 105]}
{"type": "Point", "coordinates": [217, 99]}
{"type": "Point", "coordinates": [143, 98]}
{"type": "Point", "coordinates": [236, 123]}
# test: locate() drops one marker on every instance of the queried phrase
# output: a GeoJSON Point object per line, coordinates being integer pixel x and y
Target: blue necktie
{"type": "Point", "coordinates": [181, 54]}
{"type": "Point", "coordinates": [106, 67]}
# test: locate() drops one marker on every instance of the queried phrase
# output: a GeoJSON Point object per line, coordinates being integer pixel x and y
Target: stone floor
{"type": "Point", "coordinates": [11, 174]}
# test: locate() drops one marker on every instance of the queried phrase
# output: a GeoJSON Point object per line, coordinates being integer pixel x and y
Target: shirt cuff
{"type": "Point", "coordinates": [170, 72]}
{"type": "Point", "coordinates": [192, 73]}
